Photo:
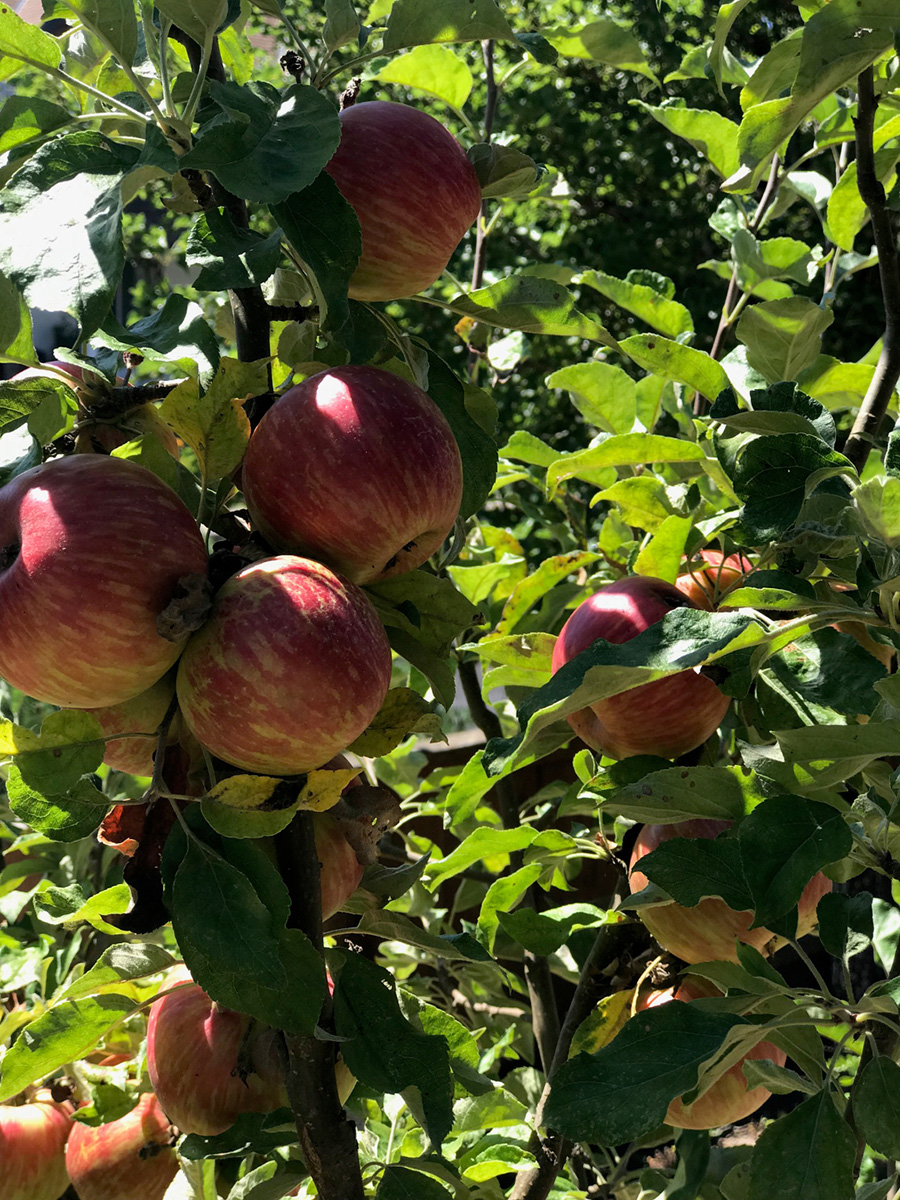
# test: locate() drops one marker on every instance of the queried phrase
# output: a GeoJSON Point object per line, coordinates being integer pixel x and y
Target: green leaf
{"type": "Point", "coordinates": [774, 258]}
{"type": "Point", "coordinates": [176, 333]}
{"type": "Point", "coordinates": [503, 171]}
{"type": "Point", "coordinates": [115, 21]}
{"type": "Point", "coordinates": [395, 927]}
{"type": "Point", "coordinates": [402, 713]}
{"type": "Point", "coordinates": [533, 304]}
{"type": "Point", "coordinates": [662, 555]}
{"type": "Point", "coordinates": [383, 1050]}
{"type": "Point", "coordinates": [771, 477]}
{"type": "Point", "coordinates": [419, 22]}
{"type": "Point", "coordinates": [847, 211]}
{"type": "Point", "coordinates": [627, 449]}
{"type": "Point", "coordinates": [19, 452]}
{"type": "Point", "coordinates": [423, 614]}
{"type": "Point", "coordinates": [543, 933]}
{"type": "Point", "coordinates": [236, 947]}
{"type": "Point", "coordinates": [49, 405]}
{"type": "Point", "coordinates": [198, 18]}
{"type": "Point", "coordinates": [477, 448]}
{"type": "Point", "coordinates": [604, 41]}
{"type": "Point", "coordinates": [690, 869]}
{"type": "Point", "coordinates": [404, 1183]}
{"type": "Point", "coordinates": [525, 595]}
{"type": "Point", "coordinates": [264, 144]}
{"type": "Point", "coordinates": [432, 69]}
{"type": "Point", "coordinates": [672, 360]}
{"type": "Point", "coordinates": [683, 793]}
{"type": "Point", "coordinates": [664, 314]}
{"type": "Point", "coordinates": [604, 395]}
{"type": "Point", "coordinates": [713, 135]}
{"type": "Point", "coordinates": [341, 24]}
{"type": "Point", "coordinates": [229, 257]}
{"type": "Point", "coordinates": [878, 504]}
{"type": "Point", "coordinates": [25, 42]}
{"type": "Point", "coordinates": [116, 965]}
{"type": "Point", "coordinates": [15, 324]}
{"type": "Point", "coordinates": [60, 226]}
{"type": "Point", "coordinates": [876, 1105]}
{"type": "Point", "coordinates": [65, 817]}
{"type": "Point", "coordinates": [484, 842]}
{"type": "Point", "coordinates": [502, 896]}
{"type": "Point", "coordinates": [781, 408]}
{"type": "Point", "coordinates": [725, 18]}
{"type": "Point", "coordinates": [839, 41]}
{"type": "Point", "coordinates": [67, 906]}
{"type": "Point", "coordinates": [784, 842]}
{"type": "Point", "coordinates": [622, 1092]}
{"type": "Point", "coordinates": [845, 923]}
{"type": "Point", "coordinates": [69, 745]}
{"type": "Point", "coordinates": [836, 384]}
{"type": "Point", "coordinates": [783, 337]}
{"type": "Point", "coordinates": [68, 1032]}
{"type": "Point", "coordinates": [323, 229]}
{"type": "Point", "coordinates": [809, 1152]}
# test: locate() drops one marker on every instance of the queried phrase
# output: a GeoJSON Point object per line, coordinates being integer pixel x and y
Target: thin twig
{"type": "Point", "coordinates": [887, 370]}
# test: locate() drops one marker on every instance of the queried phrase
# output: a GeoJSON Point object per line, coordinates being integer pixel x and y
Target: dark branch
{"type": "Point", "coordinates": [887, 371]}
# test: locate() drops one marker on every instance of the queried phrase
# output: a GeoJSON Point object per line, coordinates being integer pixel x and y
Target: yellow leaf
{"type": "Point", "coordinates": [323, 788]}
{"type": "Point", "coordinates": [215, 425]}
{"type": "Point", "coordinates": [607, 1019]}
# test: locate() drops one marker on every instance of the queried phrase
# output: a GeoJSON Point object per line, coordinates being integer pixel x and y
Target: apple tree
{"type": "Point", "coordinates": [397, 802]}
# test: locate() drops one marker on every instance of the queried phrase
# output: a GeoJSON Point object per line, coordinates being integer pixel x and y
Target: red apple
{"type": "Point", "coordinates": [710, 576]}
{"type": "Point", "coordinates": [729, 1099]}
{"type": "Point", "coordinates": [667, 717]}
{"type": "Point", "coordinates": [92, 550]}
{"type": "Point", "coordinates": [142, 714]}
{"type": "Point", "coordinates": [209, 1064]}
{"type": "Point", "coordinates": [129, 1159]}
{"type": "Point", "coordinates": [193, 1046]}
{"type": "Point", "coordinates": [707, 932]}
{"type": "Point", "coordinates": [341, 869]}
{"type": "Point", "coordinates": [414, 191]}
{"type": "Point", "coordinates": [33, 1148]}
{"type": "Point", "coordinates": [292, 665]}
{"type": "Point", "coordinates": [355, 467]}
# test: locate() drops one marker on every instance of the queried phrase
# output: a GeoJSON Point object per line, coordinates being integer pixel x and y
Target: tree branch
{"type": "Point", "coordinates": [887, 371]}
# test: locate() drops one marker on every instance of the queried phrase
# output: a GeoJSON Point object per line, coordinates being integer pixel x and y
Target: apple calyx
{"type": "Point", "coordinates": [188, 609]}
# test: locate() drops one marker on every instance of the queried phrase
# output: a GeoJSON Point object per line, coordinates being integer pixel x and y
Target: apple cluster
{"type": "Point", "coordinates": [351, 477]}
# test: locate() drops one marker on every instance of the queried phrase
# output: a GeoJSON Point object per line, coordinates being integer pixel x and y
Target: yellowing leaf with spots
{"type": "Point", "coordinates": [254, 791]}
{"type": "Point", "coordinates": [402, 713]}
{"type": "Point", "coordinates": [607, 1019]}
{"type": "Point", "coordinates": [215, 425]}
{"type": "Point", "coordinates": [323, 788]}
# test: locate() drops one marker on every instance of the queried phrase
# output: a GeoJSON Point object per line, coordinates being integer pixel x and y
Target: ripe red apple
{"type": "Point", "coordinates": [128, 1159]}
{"type": "Point", "coordinates": [209, 1064]}
{"type": "Point", "coordinates": [91, 551]}
{"type": "Point", "coordinates": [355, 467]}
{"type": "Point", "coordinates": [667, 717]}
{"type": "Point", "coordinates": [192, 1057]}
{"type": "Point", "coordinates": [33, 1148]}
{"type": "Point", "coordinates": [141, 714]}
{"type": "Point", "coordinates": [292, 665]}
{"type": "Point", "coordinates": [707, 932]}
{"type": "Point", "coordinates": [341, 869]}
{"type": "Point", "coordinates": [729, 1099]}
{"type": "Point", "coordinates": [706, 581]}
{"type": "Point", "coordinates": [414, 191]}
